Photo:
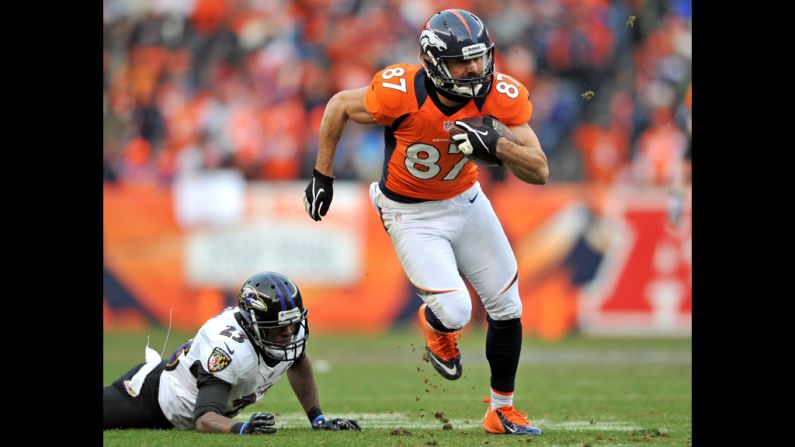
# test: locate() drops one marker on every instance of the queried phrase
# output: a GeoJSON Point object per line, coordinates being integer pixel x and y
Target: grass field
{"type": "Point", "coordinates": [581, 392]}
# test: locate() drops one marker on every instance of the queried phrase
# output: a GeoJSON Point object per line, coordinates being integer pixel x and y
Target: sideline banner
{"type": "Point", "coordinates": [600, 262]}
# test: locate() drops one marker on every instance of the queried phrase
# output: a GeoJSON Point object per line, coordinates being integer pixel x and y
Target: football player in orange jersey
{"type": "Point", "coordinates": [429, 199]}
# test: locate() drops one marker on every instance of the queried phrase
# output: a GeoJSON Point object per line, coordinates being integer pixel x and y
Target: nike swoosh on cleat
{"type": "Point", "coordinates": [451, 371]}
{"type": "Point", "coordinates": [506, 424]}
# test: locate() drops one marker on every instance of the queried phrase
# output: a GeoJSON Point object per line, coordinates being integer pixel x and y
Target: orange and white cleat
{"type": "Point", "coordinates": [508, 421]}
{"type": "Point", "coordinates": [441, 348]}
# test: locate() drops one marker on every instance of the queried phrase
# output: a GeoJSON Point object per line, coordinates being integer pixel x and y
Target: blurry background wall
{"type": "Point", "coordinates": [212, 109]}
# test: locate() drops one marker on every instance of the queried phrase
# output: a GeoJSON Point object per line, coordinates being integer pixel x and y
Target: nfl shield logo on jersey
{"type": "Point", "coordinates": [448, 125]}
{"type": "Point", "coordinates": [218, 360]}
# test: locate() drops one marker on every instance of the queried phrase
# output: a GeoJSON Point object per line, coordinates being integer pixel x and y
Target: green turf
{"type": "Point", "coordinates": [580, 391]}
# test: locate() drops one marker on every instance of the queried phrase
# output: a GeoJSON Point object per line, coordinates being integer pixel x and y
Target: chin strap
{"type": "Point", "coordinates": [458, 97]}
{"type": "Point", "coordinates": [452, 96]}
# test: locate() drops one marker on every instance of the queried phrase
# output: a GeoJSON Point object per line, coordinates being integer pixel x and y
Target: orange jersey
{"type": "Point", "coordinates": [420, 161]}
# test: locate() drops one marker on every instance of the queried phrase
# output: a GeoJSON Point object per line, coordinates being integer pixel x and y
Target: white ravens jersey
{"type": "Point", "coordinates": [222, 349]}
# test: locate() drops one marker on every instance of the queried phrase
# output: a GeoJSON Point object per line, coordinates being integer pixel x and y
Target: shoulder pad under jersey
{"type": "Point", "coordinates": [391, 93]}
{"type": "Point", "coordinates": [508, 101]}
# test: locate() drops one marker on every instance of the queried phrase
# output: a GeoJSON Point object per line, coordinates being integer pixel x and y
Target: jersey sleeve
{"type": "Point", "coordinates": [218, 354]}
{"type": "Point", "coordinates": [391, 93]}
{"type": "Point", "coordinates": [510, 101]}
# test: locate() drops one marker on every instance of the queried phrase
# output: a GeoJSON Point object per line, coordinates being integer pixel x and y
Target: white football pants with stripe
{"type": "Point", "coordinates": [436, 240]}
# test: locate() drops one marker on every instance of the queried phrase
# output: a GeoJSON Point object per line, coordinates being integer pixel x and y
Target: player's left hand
{"type": "Point", "coordinates": [323, 423]}
{"type": "Point", "coordinates": [478, 139]}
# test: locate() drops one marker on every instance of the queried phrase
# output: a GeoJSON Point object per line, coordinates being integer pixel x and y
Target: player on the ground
{"type": "Point", "coordinates": [230, 364]}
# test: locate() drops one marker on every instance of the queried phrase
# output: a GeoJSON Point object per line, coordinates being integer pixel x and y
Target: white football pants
{"type": "Point", "coordinates": [436, 240]}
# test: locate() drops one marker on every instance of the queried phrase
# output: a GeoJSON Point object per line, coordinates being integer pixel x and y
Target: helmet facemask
{"type": "Point", "coordinates": [264, 333]}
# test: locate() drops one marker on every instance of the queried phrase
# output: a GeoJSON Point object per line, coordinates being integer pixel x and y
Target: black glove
{"type": "Point", "coordinates": [323, 423]}
{"type": "Point", "coordinates": [260, 423]}
{"type": "Point", "coordinates": [480, 140]}
{"type": "Point", "coordinates": [318, 195]}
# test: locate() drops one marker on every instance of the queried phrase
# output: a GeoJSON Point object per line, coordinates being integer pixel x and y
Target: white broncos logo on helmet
{"type": "Point", "coordinates": [428, 37]}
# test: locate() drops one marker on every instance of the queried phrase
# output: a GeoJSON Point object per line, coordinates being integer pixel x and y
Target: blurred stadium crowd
{"type": "Point", "coordinates": [192, 85]}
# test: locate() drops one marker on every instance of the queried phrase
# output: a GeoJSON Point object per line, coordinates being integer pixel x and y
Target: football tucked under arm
{"type": "Point", "coordinates": [477, 138]}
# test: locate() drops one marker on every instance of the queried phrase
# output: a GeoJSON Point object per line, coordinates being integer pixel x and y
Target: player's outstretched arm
{"type": "Point", "coordinates": [259, 423]}
{"type": "Point", "coordinates": [302, 381]}
{"type": "Point", "coordinates": [210, 403]}
{"type": "Point", "coordinates": [212, 422]}
{"type": "Point", "coordinates": [527, 161]}
{"type": "Point", "coordinates": [345, 105]}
